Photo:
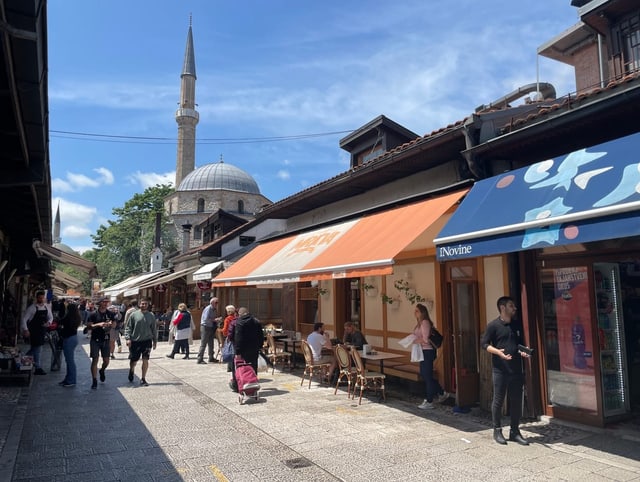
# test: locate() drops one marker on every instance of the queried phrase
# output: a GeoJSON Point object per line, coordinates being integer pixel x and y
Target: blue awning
{"type": "Point", "coordinates": [587, 195]}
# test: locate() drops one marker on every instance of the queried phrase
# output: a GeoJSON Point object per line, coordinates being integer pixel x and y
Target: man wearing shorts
{"type": "Point", "coordinates": [100, 322]}
{"type": "Point", "coordinates": [141, 334]}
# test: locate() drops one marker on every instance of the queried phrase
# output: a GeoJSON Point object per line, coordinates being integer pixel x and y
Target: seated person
{"type": "Point", "coordinates": [318, 340]}
{"type": "Point", "coordinates": [353, 336]}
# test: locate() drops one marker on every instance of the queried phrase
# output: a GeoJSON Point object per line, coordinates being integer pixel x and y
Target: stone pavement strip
{"type": "Point", "coordinates": [188, 426]}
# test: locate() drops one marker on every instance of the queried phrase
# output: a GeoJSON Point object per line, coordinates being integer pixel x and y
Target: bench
{"type": "Point", "coordinates": [403, 368]}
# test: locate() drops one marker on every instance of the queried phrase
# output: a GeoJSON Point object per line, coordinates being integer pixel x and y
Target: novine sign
{"type": "Point", "coordinates": [455, 251]}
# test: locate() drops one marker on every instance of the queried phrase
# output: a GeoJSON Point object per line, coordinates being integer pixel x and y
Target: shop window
{"type": "Point", "coordinates": [247, 240]}
{"type": "Point", "coordinates": [264, 304]}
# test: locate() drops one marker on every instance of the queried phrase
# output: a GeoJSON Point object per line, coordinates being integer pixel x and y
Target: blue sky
{"type": "Point", "coordinates": [269, 69]}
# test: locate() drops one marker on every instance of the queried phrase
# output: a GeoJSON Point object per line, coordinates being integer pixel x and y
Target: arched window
{"type": "Point", "coordinates": [241, 207]}
{"type": "Point", "coordinates": [200, 205]}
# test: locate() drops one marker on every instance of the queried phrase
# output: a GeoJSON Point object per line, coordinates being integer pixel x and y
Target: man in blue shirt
{"type": "Point", "coordinates": [208, 327]}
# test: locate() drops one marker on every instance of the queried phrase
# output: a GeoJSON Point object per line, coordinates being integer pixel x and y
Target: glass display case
{"type": "Point", "coordinates": [613, 370]}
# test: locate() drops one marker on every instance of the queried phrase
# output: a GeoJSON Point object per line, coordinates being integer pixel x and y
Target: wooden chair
{"type": "Point", "coordinates": [275, 356]}
{"type": "Point", "coordinates": [345, 369]}
{"type": "Point", "coordinates": [312, 367]}
{"type": "Point", "coordinates": [366, 379]}
{"type": "Point", "coordinates": [220, 338]}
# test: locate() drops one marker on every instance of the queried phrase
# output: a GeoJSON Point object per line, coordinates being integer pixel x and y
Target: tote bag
{"type": "Point", "coordinates": [416, 353]}
{"type": "Point", "coordinates": [227, 351]}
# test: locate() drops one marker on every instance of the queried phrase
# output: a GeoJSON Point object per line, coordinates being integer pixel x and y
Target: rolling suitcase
{"type": "Point", "coordinates": [248, 386]}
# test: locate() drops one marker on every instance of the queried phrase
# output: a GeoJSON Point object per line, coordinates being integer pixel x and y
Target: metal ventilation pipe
{"type": "Point", "coordinates": [547, 90]}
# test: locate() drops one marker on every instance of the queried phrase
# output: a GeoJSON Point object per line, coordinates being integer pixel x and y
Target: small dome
{"type": "Point", "coordinates": [65, 248]}
{"type": "Point", "coordinates": [219, 176]}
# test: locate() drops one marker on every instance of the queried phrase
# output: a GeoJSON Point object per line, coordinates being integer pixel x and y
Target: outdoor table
{"type": "Point", "coordinates": [293, 342]}
{"type": "Point", "coordinates": [381, 356]}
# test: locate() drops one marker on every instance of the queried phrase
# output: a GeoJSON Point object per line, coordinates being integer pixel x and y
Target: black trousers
{"type": "Point", "coordinates": [511, 385]}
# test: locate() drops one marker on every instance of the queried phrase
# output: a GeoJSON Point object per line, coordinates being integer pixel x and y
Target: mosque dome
{"type": "Point", "coordinates": [65, 248]}
{"type": "Point", "coordinates": [219, 175]}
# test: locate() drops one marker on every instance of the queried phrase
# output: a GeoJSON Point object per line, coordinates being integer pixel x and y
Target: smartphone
{"type": "Point", "coordinates": [525, 349]}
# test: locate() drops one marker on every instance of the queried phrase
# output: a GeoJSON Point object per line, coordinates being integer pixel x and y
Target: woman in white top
{"type": "Point", "coordinates": [182, 322]}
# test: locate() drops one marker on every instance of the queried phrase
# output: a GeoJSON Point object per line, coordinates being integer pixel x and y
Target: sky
{"type": "Point", "coordinates": [279, 83]}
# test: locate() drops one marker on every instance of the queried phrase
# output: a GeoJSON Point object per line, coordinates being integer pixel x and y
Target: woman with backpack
{"type": "Point", "coordinates": [422, 331]}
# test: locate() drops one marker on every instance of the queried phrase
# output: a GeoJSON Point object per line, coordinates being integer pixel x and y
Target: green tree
{"type": "Point", "coordinates": [124, 245]}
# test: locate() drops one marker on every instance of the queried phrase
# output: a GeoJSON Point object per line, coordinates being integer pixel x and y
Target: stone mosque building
{"type": "Point", "coordinates": [204, 194]}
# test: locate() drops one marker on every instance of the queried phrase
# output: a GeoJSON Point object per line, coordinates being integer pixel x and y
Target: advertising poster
{"type": "Point", "coordinates": [574, 386]}
{"type": "Point", "coordinates": [573, 316]}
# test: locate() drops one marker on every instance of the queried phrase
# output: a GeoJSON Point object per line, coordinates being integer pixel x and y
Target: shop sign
{"type": "Point", "coordinates": [161, 288]}
{"type": "Point", "coordinates": [204, 285]}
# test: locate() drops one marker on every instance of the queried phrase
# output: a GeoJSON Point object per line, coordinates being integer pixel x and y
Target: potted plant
{"type": "Point", "coordinates": [409, 293]}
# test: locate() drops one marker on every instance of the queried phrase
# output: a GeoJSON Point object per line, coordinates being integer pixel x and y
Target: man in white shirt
{"type": "Point", "coordinates": [35, 321]}
{"type": "Point", "coordinates": [318, 340]}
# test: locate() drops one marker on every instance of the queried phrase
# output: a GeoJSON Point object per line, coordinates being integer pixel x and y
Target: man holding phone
{"type": "Point", "coordinates": [502, 339]}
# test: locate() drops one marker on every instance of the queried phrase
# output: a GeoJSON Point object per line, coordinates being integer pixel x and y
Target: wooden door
{"type": "Point", "coordinates": [465, 336]}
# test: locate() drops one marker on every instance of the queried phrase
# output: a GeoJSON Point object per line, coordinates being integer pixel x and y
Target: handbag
{"type": "Point", "coordinates": [435, 337]}
{"type": "Point", "coordinates": [228, 352]}
{"type": "Point", "coordinates": [416, 353]}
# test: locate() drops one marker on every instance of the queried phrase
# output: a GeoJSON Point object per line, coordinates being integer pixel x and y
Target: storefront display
{"type": "Point", "coordinates": [611, 338]}
{"type": "Point", "coordinates": [570, 368]}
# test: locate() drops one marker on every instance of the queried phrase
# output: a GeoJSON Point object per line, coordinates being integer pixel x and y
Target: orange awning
{"type": "Point", "coordinates": [361, 247]}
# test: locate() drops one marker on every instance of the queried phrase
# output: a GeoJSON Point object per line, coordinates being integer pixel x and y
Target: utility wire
{"type": "Point", "coordinates": [93, 137]}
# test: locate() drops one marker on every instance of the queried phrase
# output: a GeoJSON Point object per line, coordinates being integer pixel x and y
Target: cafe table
{"type": "Point", "coordinates": [294, 343]}
{"type": "Point", "coordinates": [380, 356]}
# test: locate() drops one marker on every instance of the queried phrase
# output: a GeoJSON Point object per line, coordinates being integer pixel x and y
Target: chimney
{"type": "Point", "coordinates": [158, 229]}
{"type": "Point", "coordinates": [186, 234]}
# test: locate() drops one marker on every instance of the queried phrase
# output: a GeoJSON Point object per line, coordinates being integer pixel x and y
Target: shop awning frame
{"type": "Point", "coordinates": [43, 250]}
{"type": "Point", "coordinates": [366, 246]}
{"type": "Point", "coordinates": [166, 278]}
{"type": "Point", "coordinates": [119, 288]}
{"type": "Point", "coordinates": [205, 273]}
{"type": "Point", "coordinates": [584, 196]}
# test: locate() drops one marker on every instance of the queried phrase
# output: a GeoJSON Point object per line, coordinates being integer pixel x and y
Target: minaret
{"type": "Point", "coordinates": [56, 227]}
{"type": "Point", "coordinates": [186, 116]}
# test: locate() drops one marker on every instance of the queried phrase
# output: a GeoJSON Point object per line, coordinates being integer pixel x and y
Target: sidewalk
{"type": "Point", "coordinates": [187, 425]}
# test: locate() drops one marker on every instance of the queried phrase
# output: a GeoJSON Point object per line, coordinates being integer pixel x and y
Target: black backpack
{"type": "Point", "coordinates": [435, 337]}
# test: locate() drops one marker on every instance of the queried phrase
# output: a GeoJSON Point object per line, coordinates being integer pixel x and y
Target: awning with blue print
{"type": "Point", "coordinates": [588, 195]}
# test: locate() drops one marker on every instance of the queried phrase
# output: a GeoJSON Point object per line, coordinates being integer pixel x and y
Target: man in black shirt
{"type": "Point", "coordinates": [501, 339]}
{"type": "Point", "coordinates": [100, 322]}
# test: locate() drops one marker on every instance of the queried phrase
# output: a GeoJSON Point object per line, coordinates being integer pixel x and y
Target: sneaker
{"type": "Point", "coordinates": [143, 383]}
{"type": "Point", "coordinates": [94, 385]}
{"type": "Point", "coordinates": [202, 362]}
{"type": "Point", "coordinates": [102, 376]}
{"type": "Point", "coordinates": [131, 375]}
{"type": "Point", "coordinates": [67, 384]}
{"type": "Point", "coordinates": [443, 397]}
{"type": "Point", "coordinates": [426, 405]}
{"type": "Point", "coordinates": [62, 383]}
{"type": "Point", "coordinates": [39, 371]}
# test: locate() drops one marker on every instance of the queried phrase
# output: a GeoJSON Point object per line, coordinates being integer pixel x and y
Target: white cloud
{"type": "Point", "coordinates": [117, 95]}
{"type": "Point", "coordinates": [106, 174]}
{"type": "Point", "coordinates": [77, 182]}
{"type": "Point", "coordinates": [283, 175]}
{"type": "Point", "coordinates": [58, 185]}
{"type": "Point", "coordinates": [73, 231]}
{"type": "Point", "coordinates": [80, 181]}
{"type": "Point", "coordinates": [149, 179]}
